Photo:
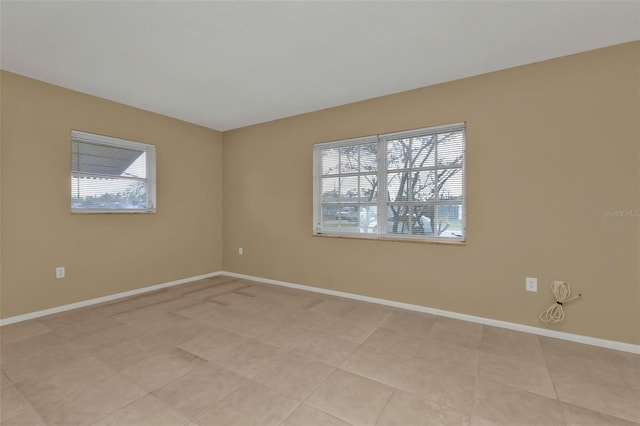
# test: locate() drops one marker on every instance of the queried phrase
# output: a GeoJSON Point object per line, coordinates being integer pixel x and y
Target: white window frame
{"type": "Point", "coordinates": [382, 202]}
{"type": "Point", "coordinates": [86, 138]}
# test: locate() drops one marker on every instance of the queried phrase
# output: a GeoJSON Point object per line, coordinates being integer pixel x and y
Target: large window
{"type": "Point", "coordinates": [111, 175]}
{"type": "Point", "coordinates": [397, 185]}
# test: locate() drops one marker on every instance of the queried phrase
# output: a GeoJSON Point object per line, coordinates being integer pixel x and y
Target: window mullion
{"type": "Point", "coordinates": [382, 186]}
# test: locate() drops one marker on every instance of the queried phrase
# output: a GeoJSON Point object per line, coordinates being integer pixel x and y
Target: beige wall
{"type": "Point", "coordinates": [103, 254]}
{"type": "Point", "coordinates": [550, 147]}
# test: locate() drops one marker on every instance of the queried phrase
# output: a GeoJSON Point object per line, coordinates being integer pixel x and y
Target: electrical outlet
{"type": "Point", "coordinates": [240, 251]}
{"type": "Point", "coordinates": [60, 272]}
{"type": "Point", "coordinates": [531, 284]}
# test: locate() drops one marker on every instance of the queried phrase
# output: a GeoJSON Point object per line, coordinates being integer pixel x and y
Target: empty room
{"type": "Point", "coordinates": [308, 213]}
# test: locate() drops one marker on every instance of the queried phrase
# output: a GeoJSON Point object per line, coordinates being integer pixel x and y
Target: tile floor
{"type": "Point", "coordinates": [223, 351]}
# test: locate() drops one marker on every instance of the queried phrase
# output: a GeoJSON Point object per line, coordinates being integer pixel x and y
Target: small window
{"type": "Point", "coordinates": [406, 185]}
{"type": "Point", "coordinates": [111, 175]}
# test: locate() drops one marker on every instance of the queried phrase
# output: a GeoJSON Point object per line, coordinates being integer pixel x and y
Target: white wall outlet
{"type": "Point", "coordinates": [532, 284]}
{"type": "Point", "coordinates": [60, 272]}
{"type": "Point", "coordinates": [240, 251]}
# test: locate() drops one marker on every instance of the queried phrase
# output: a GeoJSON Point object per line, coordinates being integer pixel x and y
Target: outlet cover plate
{"type": "Point", "coordinates": [532, 284]}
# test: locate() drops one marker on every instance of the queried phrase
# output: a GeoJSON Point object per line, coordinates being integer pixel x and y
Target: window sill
{"type": "Point", "coordinates": [112, 211]}
{"type": "Point", "coordinates": [396, 239]}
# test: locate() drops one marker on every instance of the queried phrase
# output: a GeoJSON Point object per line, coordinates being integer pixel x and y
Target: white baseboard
{"type": "Point", "coordinates": [593, 341]}
{"type": "Point", "coordinates": [57, 309]}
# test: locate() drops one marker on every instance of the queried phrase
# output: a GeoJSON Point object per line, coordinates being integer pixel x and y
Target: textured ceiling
{"type": "Point", "coordinates": [225, 65]}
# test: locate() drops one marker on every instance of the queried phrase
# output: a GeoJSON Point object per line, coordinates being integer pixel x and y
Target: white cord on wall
{"type": "Point", "coordinates": [561, 292]}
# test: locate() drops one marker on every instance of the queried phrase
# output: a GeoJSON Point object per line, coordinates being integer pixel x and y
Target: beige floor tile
{"type": "Point", "coordinates": [216, 290]}
{"type": "Point", "coordinates": [578, 416]}
{"type": "Point", "coordinates": [251, 404]}
{"type": "Point", "coordinates": [503, 342]}
{"type": "Point", "coordinates": [131, 352]}
{"type": "Point", "coordinates": [4, 380]}
{"type": "Point", "coordinates": [119, 306]}
{"type": "Point", "coordinates": [89, 404]}
{"type": "Point", "coordinates": [295, 376]}
{"type": "Point", "coordinates": [37, 355]}
{"type": "Point", "coordinates": [370, 313]}
{"type": "Point", "coordinates": [350, 397]}
{"type": "Point", "coordinates": [629, 365]}
{"type": "Point", "coordinates": [497, 404]}
{"type": "Point", "coordinates": [155, 296]}
{"type": "Point", "coordinates": [409, 324]}
{"type": "Point", "coordinates": [615, 400]}
{"type": "Point", "coordinates": [306, 415]}
{"type": "Point", "coordinates": [160, 369]}
{"type": "Point", "coordinates": [88, 326]}
{"type": "Point", "coordinates": [198, 309]}
{"type": "Point", "coordinates": [331, 307]}
{"type": "Point", "coordinates": [445, 356]}
{"type": "Point", "coordinates": [406, 409]}
{"type": "Point", "coordinates": [70, 318]}
{"type": "Point", "coordinates": [241, 302]}
{"type": "Point", "coordinates": [31, 347]}
{"type": "Point", "coordinates": [518, 373]}
{"type": "Point", "coordinates": [106, 338]}
{"type": "Point", "coordinates": [247, 325]}
{"type": "Point", "coordinates": [29, 417]}
{"type": "Point", "coordinates": [311, 320]}
{"type": "Point", "coordinates": [385, 367]}
{"type": "Point", "coordinates": [194, 392]}
{"type": "Point", "coordinates": [215, 344]}
{"type": "Point", "coordinates": [391, 341]}
{"type": "Point", "coordinates": [58, 382]}
{"type": "Point", "coordinates": [452, 389]}
{"type": "Point", "coordinates": [286, 336]}
{"type": "Point", "coordinates": [140, 318]}
{"type": "Point", "coordinates": [170, 305]}
{"type": "Point", "coordinates": [356, 330]}
{"type": "Point", "coordinates": [332, 351]}
{"type": "Point", "coordinates": [591, 365]}
{"type": "Point", "coordinates": [413, 375]}
{"type": "Point", "coordinates": [251, 358]}
{"type": "Point", "coordinates": [177, 329]}
{"type": "Point", "coordinates": [22, 330]}
{"type": "Point", "coordinates": [12, 403]}
{"type": "Point", "coordinates": [146, 411]}
{"type": "Point", "coordinates": [461, 333]}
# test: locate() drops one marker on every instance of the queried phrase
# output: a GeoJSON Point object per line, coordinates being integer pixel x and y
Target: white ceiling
{"type": "Point", "coordinates": [230, 64]}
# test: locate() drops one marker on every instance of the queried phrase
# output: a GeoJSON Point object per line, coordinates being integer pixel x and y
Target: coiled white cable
{"type": "Point", "coordinates": [561, 291]}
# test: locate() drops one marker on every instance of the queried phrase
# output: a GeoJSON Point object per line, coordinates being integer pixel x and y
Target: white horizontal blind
{"type": "Point", "coordinates": [403, 185]}
{"type": "Point", "coordinates": [111, 175]}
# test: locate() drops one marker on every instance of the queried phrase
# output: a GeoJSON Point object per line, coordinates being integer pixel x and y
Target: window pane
{"type": "Point", "coordinates": [349, 159]}
{"type": "Point", "coordinates": [450, 183]}
{"type": "Point", "coordinates": [423, 151]}
{"type": "Point", "coordinates": [330, 188]}
{"type": "Point", "coordinates": [368, 188]}
{"type": "Point", "coordinates": [349, 189]}
{"type": "Point", "coordinates": [328, 219]}
{"type": "Point", "coordinates": [397, 186]}
{"type": "Point", "coordinates": [368, 158]}
{"type": "Point", "coordinates": [424, 185]}
{"type": "Point", "coordinates": [424, 217]}
{"type": "Point", "coordinates": [330, 160]}
{"type": "Point", "coordinates": [368, 219]}
{"type": "Point", "coordinates": [100, 193]}
{"type": "Point", "coordinates": [398, 154]}
{"type": "Point", "coordinates": [398, 220]}
{"type": "Point", "coordinates": [450, 148]}
{"type": "Point", "coordinates": [450, 221]}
